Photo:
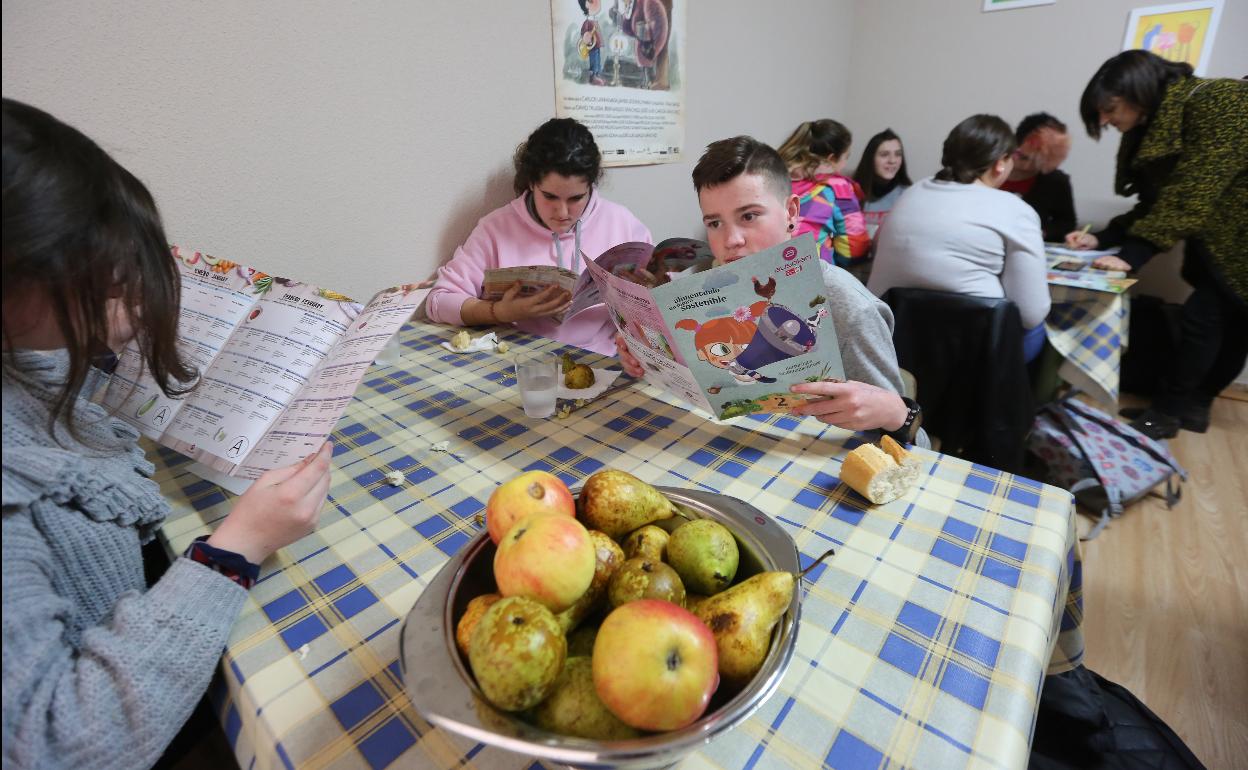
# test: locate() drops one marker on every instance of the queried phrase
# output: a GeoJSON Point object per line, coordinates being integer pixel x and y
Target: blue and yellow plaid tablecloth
{"type": "Point", "coordinates": [923, 642]}
{"type": "Point", "coordinates": [1089, 329]}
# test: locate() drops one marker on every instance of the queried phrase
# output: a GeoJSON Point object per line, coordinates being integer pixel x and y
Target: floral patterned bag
{"type": "Point", "coordinates": [1104, 462]}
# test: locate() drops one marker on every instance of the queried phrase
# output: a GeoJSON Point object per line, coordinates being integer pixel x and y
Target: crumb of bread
{"type": "Point", "coordinates": [461, 340]}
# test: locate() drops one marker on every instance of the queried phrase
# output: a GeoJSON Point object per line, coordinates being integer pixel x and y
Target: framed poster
{"type": "Point", "coordinates": [620, 70]}
{"type": "Point", "coordinates": [1178, 32]}
{"type": "Point", "coordinates": [1005, 5]}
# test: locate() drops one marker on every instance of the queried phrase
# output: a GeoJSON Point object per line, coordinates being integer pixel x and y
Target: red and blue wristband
{"type": "Point", "coordinates": [232, 565]}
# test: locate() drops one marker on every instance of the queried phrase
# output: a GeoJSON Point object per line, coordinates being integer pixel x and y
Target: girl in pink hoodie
{"type": "Point", "coordinates": [558, 219]}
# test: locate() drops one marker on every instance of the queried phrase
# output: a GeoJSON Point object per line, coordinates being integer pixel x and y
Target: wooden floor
{"type": "Point", "coordinates": [1166, 595]}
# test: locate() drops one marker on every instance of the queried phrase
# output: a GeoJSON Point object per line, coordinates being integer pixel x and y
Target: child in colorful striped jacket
{"type": "Point", "coordinates": [816, 154]}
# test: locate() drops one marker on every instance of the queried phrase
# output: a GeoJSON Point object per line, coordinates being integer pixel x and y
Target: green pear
{"type": "Point", "coordinates": [649, 541]}
{"type": "Point", "coordinates": [693, 601]}
{"type": "Point", "coordinates": [643, 578]}
{"type": "Point", "coordinates": [573, 708]}
{"type": "Point", "coordinates": [705, 555]}
{"type": "Point", "coordinates": [742, 618]}
{"type": "Point", "coordinates": [516, 653]}
{"type": "Point", "coordinates": [616, 503]}
{"type": "Point", "coordinates": [608, 556]}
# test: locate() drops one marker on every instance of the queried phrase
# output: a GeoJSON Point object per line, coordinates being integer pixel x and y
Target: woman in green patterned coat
{"type": "Point", "coordinates": [1184, 152]}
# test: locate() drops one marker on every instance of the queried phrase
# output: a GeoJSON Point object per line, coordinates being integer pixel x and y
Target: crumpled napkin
{"type": "Point", "coordinates": [483, 344]}
{"type": "Point", "coordinates": [603, 378]}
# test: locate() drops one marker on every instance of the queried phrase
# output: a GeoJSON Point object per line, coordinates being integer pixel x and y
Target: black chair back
{"type": "Point", "coordinates": [967, 355]}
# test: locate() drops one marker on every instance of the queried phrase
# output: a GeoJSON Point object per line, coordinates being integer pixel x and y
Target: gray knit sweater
{"type": "Point", "coordinates": [98, 671]}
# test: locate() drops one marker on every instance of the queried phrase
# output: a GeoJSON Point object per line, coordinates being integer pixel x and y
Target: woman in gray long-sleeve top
{"type": "Point", "coordinates": [99, 670]}
{"type": "Point", "coordinates": [957, 232]}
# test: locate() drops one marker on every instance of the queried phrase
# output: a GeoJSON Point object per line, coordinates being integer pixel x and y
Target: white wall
{"type": "Point", "coordinates": [354, 145]}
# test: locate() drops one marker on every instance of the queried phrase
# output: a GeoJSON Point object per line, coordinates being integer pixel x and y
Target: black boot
{"type": "Point", "coordinates": [1156, 425]}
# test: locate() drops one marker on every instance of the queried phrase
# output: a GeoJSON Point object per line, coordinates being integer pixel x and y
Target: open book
{"type": "Point", "coordinates": [728, 339]}
{"type": "Point", "coordinates": [279, 361]}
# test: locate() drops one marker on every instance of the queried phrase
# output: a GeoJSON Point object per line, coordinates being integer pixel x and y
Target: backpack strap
{"type": "Point", "coordinates": [1106, 515]}
{"type": "Point", "coordinates": [1113, 497]}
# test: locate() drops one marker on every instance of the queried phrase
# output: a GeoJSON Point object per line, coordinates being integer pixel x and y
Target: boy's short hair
{"type": "Point", "coordinates": [728, 159]}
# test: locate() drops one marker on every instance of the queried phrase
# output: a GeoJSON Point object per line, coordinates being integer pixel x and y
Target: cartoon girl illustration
{"type": "Point", "coordinates": [721, 341]}
{"type": "Point", "coordinates": [755, 336]}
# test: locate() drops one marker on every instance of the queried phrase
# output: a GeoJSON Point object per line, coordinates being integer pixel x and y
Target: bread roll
{"type": "Point", "coordinates": [880, 475]}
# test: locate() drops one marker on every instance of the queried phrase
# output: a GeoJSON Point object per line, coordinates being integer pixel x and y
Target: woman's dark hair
{"type": "Point", "coordinates": [1137, 77]}
{"type": "Point", "coordinates": [1034, 122]}
{"type": "Point", "coordinates": [79, 231]}
{"type": "Point", "coordinates": [865, 174]}
{"type": "Point", "coordinates": [560, 145]}
{"type": "Point", "coordinates": [727, 159]}
{"type": "Point", "coordinates": [812, 143]}
{"type": "Point", "coordinates": [973, 146]}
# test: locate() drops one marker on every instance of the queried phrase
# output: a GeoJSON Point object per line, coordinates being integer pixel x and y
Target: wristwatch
{"type": "Point", "coordinates": [910, 428]}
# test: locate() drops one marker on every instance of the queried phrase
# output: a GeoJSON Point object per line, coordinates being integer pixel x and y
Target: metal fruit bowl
{"type": "Point", "coordinates": [442, 688]}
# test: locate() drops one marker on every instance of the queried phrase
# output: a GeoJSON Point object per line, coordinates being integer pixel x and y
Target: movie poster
{"type": "Point", "coordinates": [620, 70]}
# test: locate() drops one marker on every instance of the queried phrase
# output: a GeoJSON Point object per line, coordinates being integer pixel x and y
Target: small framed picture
{"type": "Point", "coordinates": [1006, 5]}
{"type": "Point", "coordinates": [1177, 32]}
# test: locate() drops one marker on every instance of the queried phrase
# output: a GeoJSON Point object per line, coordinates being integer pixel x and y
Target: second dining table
{"type": "Point", "coordinates": [924, 642]}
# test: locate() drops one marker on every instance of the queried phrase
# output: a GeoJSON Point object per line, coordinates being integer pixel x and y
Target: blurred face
{"type": "Point", "coordinates": [1120, 114]}
{"type": "Point", "coordinates": [560, 200]}
{"type": "Point", "coordinates": [1042, 152]}
{"type": "Point", "coordinates": [745, 215]}
{"type": "Point", "coordinates": [888, 159]}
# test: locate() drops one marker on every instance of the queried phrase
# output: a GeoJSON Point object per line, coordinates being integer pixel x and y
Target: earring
{"type": "Point", "coordinates": [791, 226]}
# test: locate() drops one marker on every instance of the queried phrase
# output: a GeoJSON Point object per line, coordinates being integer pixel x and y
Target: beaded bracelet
{"type": "Point", "coordinates": [234, 566]}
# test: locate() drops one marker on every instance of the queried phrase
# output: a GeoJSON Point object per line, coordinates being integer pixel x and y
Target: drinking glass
{"type": "Point", "coordinates": [538, 377]}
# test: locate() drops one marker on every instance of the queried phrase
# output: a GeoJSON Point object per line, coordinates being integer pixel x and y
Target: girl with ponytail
{"type": "Point", "coordinates": [816, 154]}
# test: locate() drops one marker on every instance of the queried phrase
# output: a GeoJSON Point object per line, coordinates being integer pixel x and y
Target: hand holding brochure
{"type": "Point", "coordinates": [279, 361]}
{"type": "Point", "coordinates": [532, 279]}
{"type": "Point", "coordinates": [729, 339]}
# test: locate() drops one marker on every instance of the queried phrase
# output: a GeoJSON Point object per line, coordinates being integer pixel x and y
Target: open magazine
{"type": "Point", "coordinates": [728, 339]}
{"type": "Point", "coordinates": [1071, 267]}
{"type": "Point", "coordinates": [279, 362]}
{"type": "Point", "coordinates": [532, 279]}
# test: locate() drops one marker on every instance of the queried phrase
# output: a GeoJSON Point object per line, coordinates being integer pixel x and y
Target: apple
{"type": "Point", "coordinates": [655, 665]}
{"type": "Point", "coordinates": [528, 493]}
{"type": "Point", "coordinates": [548, 558]}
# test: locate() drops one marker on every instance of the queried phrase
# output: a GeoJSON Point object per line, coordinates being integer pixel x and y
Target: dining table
{"type": "Point", "coordinates": [1087, 327]}
{"type": "Point", "coordinates": [923, 642]}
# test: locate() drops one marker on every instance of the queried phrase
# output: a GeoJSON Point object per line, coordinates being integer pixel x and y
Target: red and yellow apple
{"type": "Point", "coordinates": [548, 558]}
{"type": "Point", "coordinates": [655, 665]}
{"type": "Point", "coordinates": [526, 494]}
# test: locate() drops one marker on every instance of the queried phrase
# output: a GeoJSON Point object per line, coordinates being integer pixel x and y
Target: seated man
{"type": "Point", "coordinates": [748, 205]}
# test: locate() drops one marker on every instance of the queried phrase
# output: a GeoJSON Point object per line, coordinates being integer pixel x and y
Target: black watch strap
{"type": "Point", "coordinates": [910, 428]}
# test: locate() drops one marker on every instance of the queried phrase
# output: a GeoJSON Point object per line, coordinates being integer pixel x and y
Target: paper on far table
{"type": "Point", "coordinates": [1084, 254]}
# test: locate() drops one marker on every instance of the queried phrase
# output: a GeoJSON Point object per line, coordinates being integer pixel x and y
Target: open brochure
{"type": "Point", "coordinates": [728, 339]}
{"type": "Point", "coordinates": [532, 279]}
{"type": "Point", "coordinates": [279, 362]}
{"type": "Point", "coordinates": [1070, 267]}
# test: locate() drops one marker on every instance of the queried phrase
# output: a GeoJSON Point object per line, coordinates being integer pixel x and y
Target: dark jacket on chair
{"type": "Point", "coordinates": [966, 354]}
